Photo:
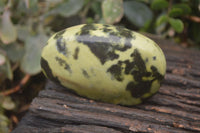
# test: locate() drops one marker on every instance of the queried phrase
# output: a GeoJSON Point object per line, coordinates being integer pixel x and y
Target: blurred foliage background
{"type": "Point", "coordinates": [26, 25]}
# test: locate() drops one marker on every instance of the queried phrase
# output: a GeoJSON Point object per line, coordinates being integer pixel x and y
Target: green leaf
{"type": "Point", "coordinates": [184, 7]}
{"type": "Point", "coordinates": [33, 6]}
{"type": "Point", "coordinates": [29, 7]}
{"type": "Point", "coordinates": [6, 71]}
{"type": "Point", "coordinates": [8, 104]}
{"type": "Point", "coordinates": [175, 12]}
{"type": "Point", "coordinates": [179, 10]}
{"type": "Point", "coordinates": [2, 4]}
{"type": "Point", "coordinates": [161, 29]}
{"type": "Point", "coordinates": [96, 8]}
{"type": "Point", "coordinates": [67, 8]}
{"type": "Point", "coordinates": [4, 123]}
{"type": "Point", "coordinates": [176, 24]}
{"type": "Point", "coordinates": [8, 31]}
{"type": "Point", "coordinates": [159, 4]}
{"type": "Point", "coordinates": [23, 32]}
{"type": "Point", "coordinates": [112, 10]}
{"type": "Point", "coordinates": [137, 13]}
{"type": "Point", "coordinates": [2, 59]}
{"type": "Point", "coordinates": [161, 19]}
{"type": "Point", "coordinates": [14, 52]}
{"type": "Point", "coordinates": [33, 47]}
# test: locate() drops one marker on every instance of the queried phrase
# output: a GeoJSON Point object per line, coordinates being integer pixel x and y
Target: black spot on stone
{"type": "Point", "coordinates": [127, 45]}
{"type": "Point", "coordinates": [146, 60]}
{"type": "Point", "coordinates": [116, 71]}
{"type": "Point", "coordinates": [128, 34]}
{"type": "Point", "coordinates": [59, 34]}
{"type": "Point", "coordinates": [67, 67]}
{"type": "Point", "coordinates": [48, 71]}
{"type": "Point", "coordinates": [154, 58]}
{"type": "Point", "coordinates": [138, 71]}
{"type": "Point", "coordinates": [137, 90]}
{"type": "Point", "coordinates": [104, 48]}
{"type": "Point", "coordinates": [114, 33]}
{"type": "Point", "coordinates": [138, 60]}
{"type": "Point", "coordinates": [63, 63]}
{"type": "Point", "coordinates": [116, 40]}
{"type": "Point", "coordinates": [129, 66]}
{"type": "Point", "coordinates": [76, 53]}
{"type": "Point", "coordinates": [107, 25]}
{"type": "Point", "coordinates": [85, 73]}
{"type": "Point", "coordinates": [106, 30]}
{"type": "Point", "coordinates": [100, 47]}
{"type": "Point", "coordinates": [85, 30]}
{"type": "Point", "coordinates": [125, 32]}
{"type": "Point", "coordinates": [156, 74]}
{"type": "Point", "coordinates": [61, 45]}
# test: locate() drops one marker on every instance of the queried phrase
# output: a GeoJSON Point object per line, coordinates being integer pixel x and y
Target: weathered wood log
{"type": "Point", "coordinates": [175, 108]}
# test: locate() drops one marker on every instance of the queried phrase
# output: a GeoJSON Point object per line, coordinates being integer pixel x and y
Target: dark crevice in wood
{"type": "Point", "coordinates": [182, 82]}
{"type": "Point", "coordinates": [168, 111]}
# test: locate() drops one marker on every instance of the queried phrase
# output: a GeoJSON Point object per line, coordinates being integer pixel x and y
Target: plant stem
{"type": "Point", "coordinates": [18, 87]}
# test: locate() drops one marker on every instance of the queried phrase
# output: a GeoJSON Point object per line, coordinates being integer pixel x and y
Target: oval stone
{"type": "Point", "coordinates": [104, 62]}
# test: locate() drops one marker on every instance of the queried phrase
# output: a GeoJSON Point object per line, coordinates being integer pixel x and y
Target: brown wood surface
{"type": "Point", "coordinates": [175, 108]}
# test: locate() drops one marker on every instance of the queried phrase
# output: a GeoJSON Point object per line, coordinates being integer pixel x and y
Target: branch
{"type": "Point", "coordinates": [194, 18]}
{"type": "Point", "coordinates": [18, 87]}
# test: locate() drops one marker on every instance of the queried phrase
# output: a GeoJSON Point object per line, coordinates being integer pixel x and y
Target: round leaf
{"type": "Point", "coordinates": [33, 47]}
{"type": "Point", "coordinates": [23, 32]}
{"type": "Point", "coordinates": [2, 5]}
{"type": "Point", "coordinates": [159, 4]}
{"type": "Point", "coordinates": [6, 71]}
{"type": "Point", "coordinates": [184, 7]}
{"type": "Point", "coordinates": [175, 12]}
{"type": "Point", "coordinates": [137, 13]}
{"type": "Point", "coordinates": [4, 123]}
{"type": "Point", "coordinates": [8, 104]}
{"type": "Point", "coordinates": [2, 59]}
{"type": "Point", "coordinates": [14, 52]}
{"type": "Point", "coordinates": [30, 7]}
{"type": "Point", "coordinates": [176, 24]}
{"type": "Point", "coordinates": [8, 31]}
{"type": "Point", "coordinates": [112, 10]}
{"type": "Point", "coordinates": [67, 8]}
{"type": "Point", "coordinates": [161, 19]}
{"type": "Point", "coordinates": [96, 8]}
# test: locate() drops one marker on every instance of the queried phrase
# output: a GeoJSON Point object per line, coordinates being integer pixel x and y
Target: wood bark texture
{"type": "Point", "coordinates": [174, 109]}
